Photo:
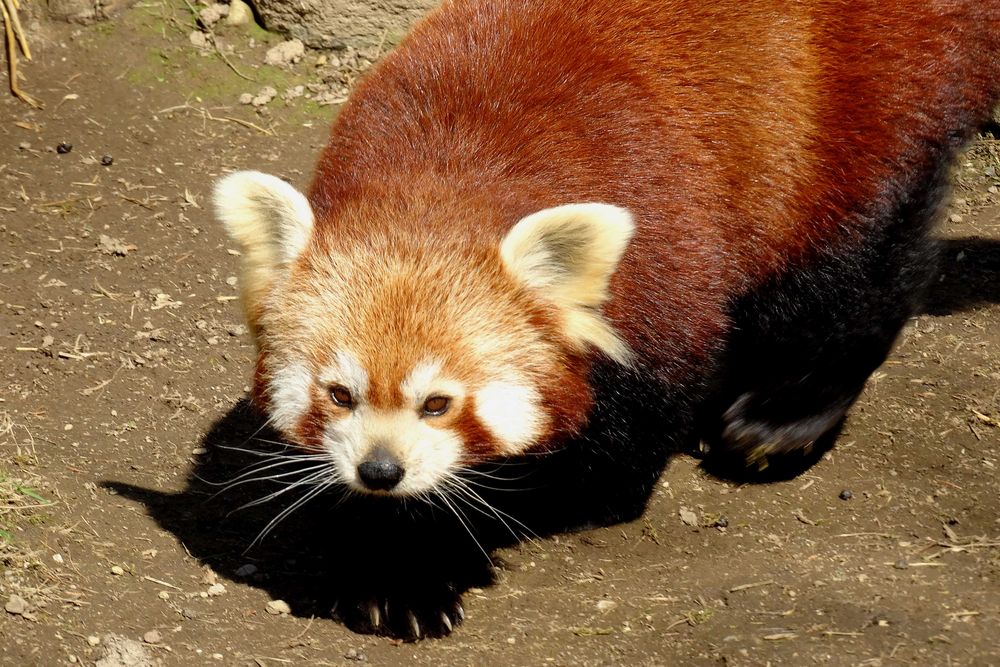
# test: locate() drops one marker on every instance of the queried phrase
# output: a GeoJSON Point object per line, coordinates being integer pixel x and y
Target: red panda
{"type": "Point", "coordinates": [547, 227]}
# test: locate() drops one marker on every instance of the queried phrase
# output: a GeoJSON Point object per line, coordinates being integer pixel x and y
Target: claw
{"type": "Point", "coordinates": [414, 625]}
{"type": "Point", "coordinates": [460, 611]}
{"type": "Point", "coordinates": [446, 621]}
{"type": "Point", "coordinates": [374, 614]}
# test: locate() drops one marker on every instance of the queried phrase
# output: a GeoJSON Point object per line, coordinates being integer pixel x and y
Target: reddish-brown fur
{"type": "Point", "coordinates": [780, 161]}
{"type": "Point", "coordinates": [739, 134]}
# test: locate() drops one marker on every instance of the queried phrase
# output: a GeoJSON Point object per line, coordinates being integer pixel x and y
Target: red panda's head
{"type": "Point", "coordinates": [404, 360]}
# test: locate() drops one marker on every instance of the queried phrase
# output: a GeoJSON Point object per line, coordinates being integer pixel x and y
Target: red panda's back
{"type": "Point", "coordinates": [741, 134]}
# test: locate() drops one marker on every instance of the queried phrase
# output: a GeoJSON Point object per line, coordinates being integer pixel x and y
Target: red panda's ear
{"type": "Point", "coordinates": [569, 253]}
{"type": "Point", "coordinates": [271, 222]}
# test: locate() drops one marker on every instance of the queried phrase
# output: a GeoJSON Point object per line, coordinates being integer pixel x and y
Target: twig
{"type": "Point", "coordinates": [161, 583]}
{"type": "Point", "coordinates": [244, 123]}
{"type": "Point", "coordinates": [744, 587]}
{"type": "Point", "coordinates": [15, 37]}
{"type": "Point", "coordinates": [215, 44]}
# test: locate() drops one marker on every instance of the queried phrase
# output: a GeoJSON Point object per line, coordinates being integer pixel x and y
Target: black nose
{"type": "Point", "coordinates": [381, 470]}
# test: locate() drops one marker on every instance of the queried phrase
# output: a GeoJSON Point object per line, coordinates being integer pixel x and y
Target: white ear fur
{"type": "Point", "coordinates": [569, 253]}
{"type": "Point", "coordinates": [270, 220]}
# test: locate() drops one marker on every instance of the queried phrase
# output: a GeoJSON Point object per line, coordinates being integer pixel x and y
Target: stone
{"type": "Point", "coordinates": [16, 605]}
{"type": "Point", "coordinates": [199, 39]}
{"type": "Point", "coordinates": [285, 53]}
{"type": "Point", "coordinates": [337, 24]}
{"type": "Point", "coordinates": [212, 14]}
{"type": "Point", "coordinates": [86, 11]}
{"type": "Point", "coordinates": [278, 607]}
{"type": "Point", "coordinates": [124, 652]}
{"type": "Point", "coordinates": [240, 13]}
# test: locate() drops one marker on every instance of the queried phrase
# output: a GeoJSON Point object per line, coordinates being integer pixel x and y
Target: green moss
{"type": "Point", "coordinates": [165, 59]}
{"type": "Point", "coordinates": [259, 33]}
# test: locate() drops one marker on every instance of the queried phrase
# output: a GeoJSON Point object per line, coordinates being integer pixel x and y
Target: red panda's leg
{"type": "Point", "coordinates": [805, 343]}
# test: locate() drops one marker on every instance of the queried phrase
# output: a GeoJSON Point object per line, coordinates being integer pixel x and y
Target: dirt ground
{"type": "Point", "coordinates": [122, 347]}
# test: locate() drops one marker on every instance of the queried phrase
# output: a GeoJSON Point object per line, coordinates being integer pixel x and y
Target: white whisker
{"type": "Point", "coordinates": [288, 510]}
{"type": "Point", "coordinates": [462, 520]}
{"type": "Point", "coordinates": [470, 494]}
{"type": "Point", "coordinates": [274, 478]}
{"type": "Point", "coordinates": [319, 478]}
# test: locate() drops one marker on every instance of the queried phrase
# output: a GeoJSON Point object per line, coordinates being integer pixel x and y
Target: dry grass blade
{"type": "Point", "coordinates": [15, 38]}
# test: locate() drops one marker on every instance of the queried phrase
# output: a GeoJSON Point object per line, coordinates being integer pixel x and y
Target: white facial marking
{"type": "Point", "coordinates": [510, 411]}
{"type": "Point", "coordinates": [346, 370]}
{"type": "Point", "coordinates": [418, 383]}
{"type": "Point", "coordinates": [290, 388]}
{"type": "Point", "coordinates": [425, 380]}
{"type": "Point", "coordinates": [427, 454]}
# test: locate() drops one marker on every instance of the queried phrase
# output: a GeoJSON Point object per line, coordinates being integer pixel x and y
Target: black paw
{"type": "Point", "coordinates": [762, 440]}
{"type": "Point", "coordinates": [409, 615]}
{"type": "Point", "coordinates": [759, 433]}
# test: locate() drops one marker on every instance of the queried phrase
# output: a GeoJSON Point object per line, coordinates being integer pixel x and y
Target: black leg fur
{"type": "Point", "coordinates": [804, 344]}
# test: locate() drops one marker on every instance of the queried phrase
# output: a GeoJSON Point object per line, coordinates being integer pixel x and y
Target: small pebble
{"type": "Point", "coordinates": [57, 558]}
{"type": "Point", "coordinates": [264, 96]}
{"type": "Point", "coordinates": [163, 595]}
{"type": "Point", "coordinates": [212, 14]}
{"type": "Point", "coordinates": [722, 522]}
{"type": "Point", "coordinates": [152, 637]}
{"type": "Point", "coordinates": [246, 98]}
{"type": "Point", "coordinates": [189, 613]}
{"type": "Point", "coordinates": [277, 607]}
{"type": "Point", "coordinates": [246, 570]}
{"type": "Point", "coordinates": [285, 53]}
{"type": "Point", "coordinates": [198, 39]}
{"type": "Point", "coordinates": [232, 280]}
{"type": "Point", "coordinates": [93, 640]}
{"type": "Point", "coordinates": [16, 605]}
{"type": "Point", "coordinates": [955, 217]}
{"type": "Point", "coordinates": [117, 570]}
{"type": "Point", "coordinates": [901, 564]}
{"type": "Point", "coordinates": [356, 655]}
{"type": "Point", "coordinates": [239, 13]}
{"type": "Point", "coordinates": [64, 147]}
{"type": "Point", "coordinates": [846, 494]}
{"type": "Point", "coordinates": [107, 160]}
{"type": "Point", "coordinates": [688, 518]}
{"type": "Point", "coordinates": [24, 146]}
{"type": "Point", "coordinates": [216, 590]}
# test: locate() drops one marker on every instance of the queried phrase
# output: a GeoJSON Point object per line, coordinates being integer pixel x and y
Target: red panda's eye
{"type": "Point", "coordinates": [341, 396]}
{"type": "Point", "coordinates": [436, 405]}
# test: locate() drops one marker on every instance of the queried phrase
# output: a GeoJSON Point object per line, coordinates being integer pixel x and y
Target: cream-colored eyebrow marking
{"type": "Point", "coordinates": [420, 380]}
{"type": "Point", "coordinates": [346, 370]}
{"type": "Point", "coordinates": [425, 380]}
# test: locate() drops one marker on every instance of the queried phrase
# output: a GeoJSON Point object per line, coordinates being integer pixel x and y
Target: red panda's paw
{"type": "Point", "coordinates": [410, 615]}
{"type": "Point", "coordinates": [763, 432]}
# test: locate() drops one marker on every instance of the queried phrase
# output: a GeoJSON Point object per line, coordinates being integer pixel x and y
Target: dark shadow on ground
{"type": "Point", "coordinates": [968, 275]}
{"type": "Point", "coordinates": [335, 544]}
{"type": "Point", "coordinates": [358, 548]}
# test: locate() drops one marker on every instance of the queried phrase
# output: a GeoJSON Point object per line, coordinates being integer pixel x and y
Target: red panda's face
{"type": "Point", "coordinates": [403, 361]}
